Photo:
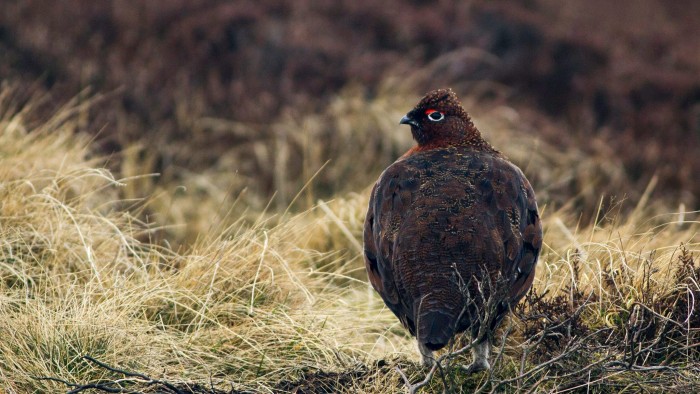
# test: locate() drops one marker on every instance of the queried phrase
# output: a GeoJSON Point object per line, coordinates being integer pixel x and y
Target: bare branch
{"type": "Point", "coordinates": [117, 385]}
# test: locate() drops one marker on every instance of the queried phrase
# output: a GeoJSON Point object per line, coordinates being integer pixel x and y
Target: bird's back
{"type": "Point", "coordinates": [441, 217]}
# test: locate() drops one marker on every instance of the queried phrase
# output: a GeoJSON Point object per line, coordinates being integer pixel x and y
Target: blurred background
{"type": "Point", "coordinates": [250, 100]}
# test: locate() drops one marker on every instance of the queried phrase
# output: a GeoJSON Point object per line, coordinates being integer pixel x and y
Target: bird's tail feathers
{"type": "Point", "coordinates": [435, 328]}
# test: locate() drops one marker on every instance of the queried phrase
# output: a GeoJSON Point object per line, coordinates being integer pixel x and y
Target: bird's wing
{"type": "Point", "coordinates": [523, 240]}
{"type": "Point", "coordinates": [390, 200]}
{"type": "Point", "coordinates": [524, 267]}
{"type": "Point", "coordinates": [507, 237]}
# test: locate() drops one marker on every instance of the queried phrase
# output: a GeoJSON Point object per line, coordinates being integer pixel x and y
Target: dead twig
{"type": "Point", "coordinates": [117, 385]}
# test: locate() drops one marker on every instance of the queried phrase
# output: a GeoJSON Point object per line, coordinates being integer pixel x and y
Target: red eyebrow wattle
{"type": "Point", "coordinates": [430, 111]}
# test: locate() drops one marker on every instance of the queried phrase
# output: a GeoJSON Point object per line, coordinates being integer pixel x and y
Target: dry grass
{"type": "Point", "coordinates": [270, 302]}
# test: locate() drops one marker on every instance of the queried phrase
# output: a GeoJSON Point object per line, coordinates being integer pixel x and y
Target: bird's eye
{"type": "Point", "coordinates": [434, 115]}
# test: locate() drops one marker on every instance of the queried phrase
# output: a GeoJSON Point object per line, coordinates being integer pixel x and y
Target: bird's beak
{"type": "Point", "coordinates": [409, 121]}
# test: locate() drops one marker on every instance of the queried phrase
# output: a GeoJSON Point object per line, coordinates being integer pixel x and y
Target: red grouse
{"type": "Point", "coordinates": [451, 224]}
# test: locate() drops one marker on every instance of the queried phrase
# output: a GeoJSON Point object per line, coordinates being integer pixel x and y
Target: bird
{"type": "Point", "coordinates": [452, 227]}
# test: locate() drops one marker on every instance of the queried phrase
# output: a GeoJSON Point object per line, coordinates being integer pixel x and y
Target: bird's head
{"type": "Point", "coordinates": [440, 120]}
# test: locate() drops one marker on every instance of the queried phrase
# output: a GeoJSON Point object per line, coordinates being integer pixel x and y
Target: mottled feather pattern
{"type": "Point", "coordinates": [452, 208]}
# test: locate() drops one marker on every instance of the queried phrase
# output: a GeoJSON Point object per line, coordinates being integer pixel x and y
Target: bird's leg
{"type": "Point", "coordinates": [480, 355]}
{"type": "Point", "coordinates": [426, 356]}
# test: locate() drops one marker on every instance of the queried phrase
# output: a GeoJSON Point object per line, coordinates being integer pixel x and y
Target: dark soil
{"type": "Point", "coordinates": [321, 382]}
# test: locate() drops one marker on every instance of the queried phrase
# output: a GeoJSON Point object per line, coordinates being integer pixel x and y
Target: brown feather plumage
{"type": "Point", "coordinates": [451, 207]}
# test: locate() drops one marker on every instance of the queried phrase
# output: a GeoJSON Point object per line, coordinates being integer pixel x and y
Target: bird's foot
{"type": "Point", "coordinates": [426, 356]}
{"type": "Point", "coordinates": [480, 355]}
{"type": "Point", "coordinates": [427, 362]}
{"type": "Point", "coordinates": [476, 366]}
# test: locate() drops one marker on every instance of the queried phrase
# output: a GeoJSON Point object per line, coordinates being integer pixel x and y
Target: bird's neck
{"type": "Point", "coordinates": [468, 139]}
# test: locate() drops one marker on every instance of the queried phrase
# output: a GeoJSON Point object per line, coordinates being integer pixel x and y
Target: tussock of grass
{"type": "Point", "coordinates": [276, 302]}
{"type": "Point", "coordinates": [242, 304]}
